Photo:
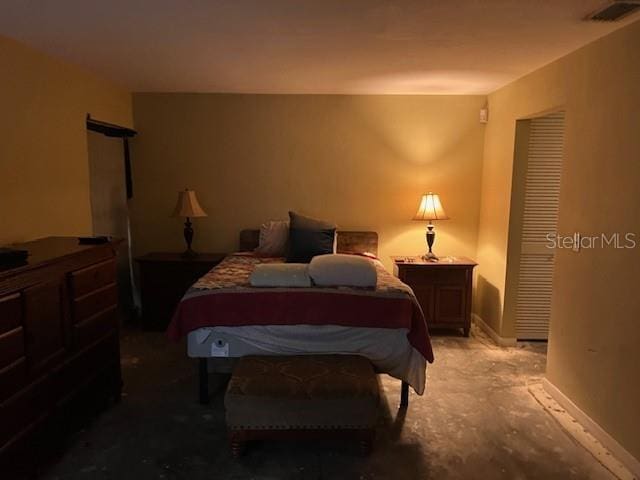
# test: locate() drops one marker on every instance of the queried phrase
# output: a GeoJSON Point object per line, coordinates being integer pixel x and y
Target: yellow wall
{"type": "Point", "coordinates": [44, 171]}
{"type": "Point", "coordinates": [361, 161]}
{"type": "Point", "coordinates": [593, 349]}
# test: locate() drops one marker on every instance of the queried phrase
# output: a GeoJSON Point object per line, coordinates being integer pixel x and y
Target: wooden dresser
{"type": "Point", "coordinates": [443, 289]}
{"type": "Point", "coordinates": [164, 279]}
{"type": "Point", "coordinates": [58, 334]}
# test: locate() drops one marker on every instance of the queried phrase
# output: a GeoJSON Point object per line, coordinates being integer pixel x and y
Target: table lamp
{"type": "Point", "coordinates": [188, 207]}
{"type": "Point", "coordinates": [430, 209]}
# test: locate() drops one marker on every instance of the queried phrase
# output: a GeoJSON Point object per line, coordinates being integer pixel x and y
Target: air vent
{"type": "Point", "coordinates": [615, 11]}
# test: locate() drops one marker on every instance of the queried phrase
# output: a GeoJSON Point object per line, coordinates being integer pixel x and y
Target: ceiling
{"type": "Point", "coordinates": [306, 46]}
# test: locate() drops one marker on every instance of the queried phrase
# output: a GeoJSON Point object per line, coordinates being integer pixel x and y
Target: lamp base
{"type": "Point", "coordinates": [188, 238]}
{"type": "Point", "coordinates": [430, 257]}
{"type": "Point", "coordinates": [431, 238]}
{"type": "Point", "coordinates": [189, 254]}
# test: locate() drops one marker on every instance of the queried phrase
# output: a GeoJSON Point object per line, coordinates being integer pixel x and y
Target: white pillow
{"type": "Point", "coordinates": [343, 270]}
{"type": "Point", "coordinates": [274, 236]}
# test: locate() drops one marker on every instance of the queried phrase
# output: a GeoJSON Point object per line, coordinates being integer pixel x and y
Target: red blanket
{"type": "Point", "coordinates": [224, 297]}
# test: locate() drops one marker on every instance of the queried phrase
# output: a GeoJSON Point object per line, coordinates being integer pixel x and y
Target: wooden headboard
{"type": "Point", "coordinates": [348, 242]}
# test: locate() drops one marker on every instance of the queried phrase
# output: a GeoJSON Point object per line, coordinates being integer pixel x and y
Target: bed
{"type": "Point", "coordinates": [225, 318]}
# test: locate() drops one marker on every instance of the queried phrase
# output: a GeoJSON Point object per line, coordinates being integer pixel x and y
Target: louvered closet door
{"type": "Point", "coordinates": [542, 194]}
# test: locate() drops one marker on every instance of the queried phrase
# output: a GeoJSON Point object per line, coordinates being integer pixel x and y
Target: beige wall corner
{"type": "Point", "coordinates": [593, 356]}
{"type": "Point", "coordinates": [43, 154]}
{"type": "Point", "coordinates": [498, 340]}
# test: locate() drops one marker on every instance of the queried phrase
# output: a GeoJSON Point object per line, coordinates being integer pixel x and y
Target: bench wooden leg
{"type": "Point", "coordinates": [404, 395]}
{"type": "Point", "coordinates": [203, 381]}
{"type": "Point", "coordinates": [237, 449]}
{"type": "Point", "coordinates": [366, 445]}
{"type": "Point", "coordinates": [237, 443]}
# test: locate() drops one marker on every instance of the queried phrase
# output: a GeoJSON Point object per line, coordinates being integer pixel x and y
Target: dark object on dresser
{"type": "Point", "coordinates": [58, 340]}
{"type": "Point", "coordinates": [164, 279]}
{"type": "Point", "coordinates": [95, 240]}
{"type": "Point", "coordinates": [12, 256]}
{"type": "Point", "coordinates": [443, 289]}
{"type": "Point", "coordinates": [302, 396]}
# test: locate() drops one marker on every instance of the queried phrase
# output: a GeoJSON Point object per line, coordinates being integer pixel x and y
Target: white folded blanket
{"type": "Point", "coordinates": [280, 275]}
{"type": "Point", "coordinates": [341, 270]}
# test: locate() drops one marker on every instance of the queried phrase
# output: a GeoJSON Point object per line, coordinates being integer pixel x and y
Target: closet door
{"type": "Point", "coordinates": [541, 202]}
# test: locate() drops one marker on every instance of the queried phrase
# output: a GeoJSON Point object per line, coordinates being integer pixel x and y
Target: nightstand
{"type": "Point", "coordinates": [164, 278]}
{"type": "Point", "coordinates": [443, 289]}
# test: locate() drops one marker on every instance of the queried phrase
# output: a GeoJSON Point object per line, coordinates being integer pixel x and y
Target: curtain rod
{"type": "Point", "coordinates": [109, 129]}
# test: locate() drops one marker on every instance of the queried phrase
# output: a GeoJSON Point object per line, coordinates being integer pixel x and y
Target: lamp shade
{"type": "Point", "coordinates": [430, 208]}
{"type": "Point", "coordinates": [188, 206]}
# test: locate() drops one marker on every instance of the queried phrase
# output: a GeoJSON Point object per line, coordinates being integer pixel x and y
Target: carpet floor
{"type": "Point", "coordinates": [477, 420]}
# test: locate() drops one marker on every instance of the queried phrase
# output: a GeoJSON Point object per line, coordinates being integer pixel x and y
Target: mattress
{"type": "Point", "coordinates": [224, 297]}
{"type": "Point", "coordinates": [388, 350]}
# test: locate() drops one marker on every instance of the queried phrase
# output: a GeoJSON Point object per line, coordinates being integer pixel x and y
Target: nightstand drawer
{"type": "Point", "coordinates": [454, 276]}
{"type": "Point", "coordinates": [416, 276]}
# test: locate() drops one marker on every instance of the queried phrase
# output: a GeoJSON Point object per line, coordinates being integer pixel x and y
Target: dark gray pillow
{"type": "Point", "coordinates": [308, 238]}
{"type": "Point", "coordinates": [307, 223]}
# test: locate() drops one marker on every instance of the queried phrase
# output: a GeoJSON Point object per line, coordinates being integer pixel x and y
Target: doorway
{"type": "Point", "coordinates": [109, 195]}
{"type": "Point", "coordinates": [535, 201]}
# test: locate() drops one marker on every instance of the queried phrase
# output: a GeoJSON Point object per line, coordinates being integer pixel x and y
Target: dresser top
{"type": "Point", "coordinates": [418, 260]}
{"type": "Point", "coordinates": [171, 257]}
{"type": "Point", "coordinates": [49, 249]}
{"type": "Point", "coordinates": [63, 253]}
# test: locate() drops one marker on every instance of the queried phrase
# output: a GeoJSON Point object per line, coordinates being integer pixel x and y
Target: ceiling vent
{"type": "Point", "coordinates": [614, 11]}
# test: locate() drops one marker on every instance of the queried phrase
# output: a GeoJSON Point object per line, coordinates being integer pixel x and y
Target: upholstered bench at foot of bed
{"type": "Point", "coordinates": [300, 397]}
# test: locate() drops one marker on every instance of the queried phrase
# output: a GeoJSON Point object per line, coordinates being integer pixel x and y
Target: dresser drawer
{"type": "Point", "coordinates": [13, 377]}
{"type": "Point", "coordinates": [75, 372]}
{"type": "Point", "coordinates": [10, 312]}
{"type": "Point", "coordinates": [95, 302]}
{"type": "Point", "coordinates": [24, 409]}
{"type": "Point", "coordinates": [94, 327]}
{"type": "Point", "coordinates": [92, 278]}
{"type": "Point", "coordinates": [11, 346]}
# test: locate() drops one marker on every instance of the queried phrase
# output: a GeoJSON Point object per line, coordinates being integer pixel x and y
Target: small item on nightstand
{"type": "Point", "coordinates": [13, 256]}
{"type": "Point", "coordinates": [405, 259]}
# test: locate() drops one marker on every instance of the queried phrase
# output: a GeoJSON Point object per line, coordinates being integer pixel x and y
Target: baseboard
{"type": "Point", "coordinates": [618, 451]}
{"type": "Point", "coordinates": [500, 341]}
